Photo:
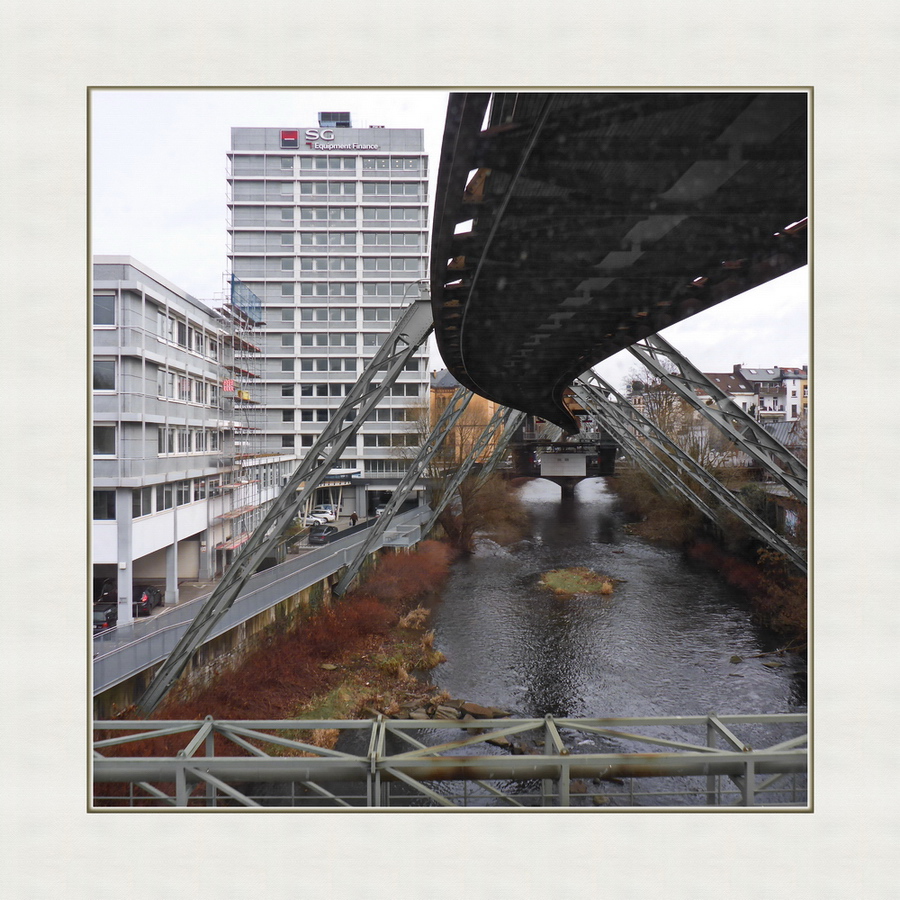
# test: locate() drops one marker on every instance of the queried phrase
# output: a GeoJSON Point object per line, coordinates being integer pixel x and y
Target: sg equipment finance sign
{"type": "Point", "coordinates": [320, 139]}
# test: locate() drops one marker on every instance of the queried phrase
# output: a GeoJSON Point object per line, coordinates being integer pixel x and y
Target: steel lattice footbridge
{"type": "Point", "coordinates": [569, 226]}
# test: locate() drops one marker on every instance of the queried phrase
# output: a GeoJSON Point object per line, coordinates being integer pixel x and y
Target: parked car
{"type": "Point", "coordinates": [325, 513]}
{"type": "Point", "coordinates": [335, 509]}
{"type": "Point", "coordinates": [311, 520]}
{"type": "Point", "coordinates": [105, 616]}
{"type": "Point", "coordinates": [379, 510]}
{"type": "Point", "coordinates": [107, 592]}
{"type": "Point", "coordinates": [322, 534]}
{"type": "Point", "coordinates": [145, 599]}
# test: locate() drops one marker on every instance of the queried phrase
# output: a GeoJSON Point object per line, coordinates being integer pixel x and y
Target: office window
{"type": "Point", "coordinates": [104, 505]}
{"type": "Point", "coordinates": [141, 502]}
{"type": "Point", "coordinates": [199, 489]}
{"type": "Point", "coordinates": [287, 365]}
{"type": "Point", "coordinates": [287, 340]}
{"type": "Point", "coordinates": [287, 441]}
{"type": "Point", "coordinates": [163, 497]}
{"type": "Point", "coordinates": [287, 213]}
{"type": "Point", "coordinates": [287, 415]}
{"type": "Point", "coordinates": [104, 440]}
{"type": "Point", "coordinates": [182, 493]}
{"type": "Point", "coordinates": [104, 309]}
{"type": "Point", "coordinates": [306, 414]}
{"type": "Point", "coordinates": [287, 390]}
{"type": "Point", "coordinates": [104, 374]}
{"type": "Point", "coordinates": [287, 289]}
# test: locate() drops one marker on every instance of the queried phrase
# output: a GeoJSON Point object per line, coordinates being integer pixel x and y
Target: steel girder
{"type": "Point", "coordinates": [593, 390]}
{"type": "Point", "coordinates": [548, 749]}
{"type": "Point", "coordinates": [617, 424]}
{"type": "Point", "coordinates": [455, 408]}
{"type": "Point", "coordinates": [411, 330]}
{"type": "Point", "coordinates": [724, 413]}
{"type": "Point", "coordinates": [513, 423]}
{"type": "Point", "coordinates": [503, 417]}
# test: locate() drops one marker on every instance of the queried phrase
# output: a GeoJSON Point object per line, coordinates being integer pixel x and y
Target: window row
{"type": "Point", "coordinates": [148, 500]}
{"type": "Point", "coordinates": [244, 216]}
{"type": "Point", "coordinates": [250, 241]}
{"type": "Point", "coordinates": [249, 164]}
{"type": "Point", "coordinates": [336, 364]}
{"type": "Point", "coordinates": [178, 386]}
{"type": "Point", "coordinates": [322, 289]}
{"type": "Point", "coordinates": [386, 466]}
{"type": "Point", "coordinates": [191, 337]}
{"type": "Point", "coordinates": [316, 390]}
{"type": "Point", "coordinates": [173, 440]}
{"type": "Point", "coordinates": [171, 328]}
{"type": "Point", "coordinates": [392, 440]}
{"type": "Point", "coordinates": [399, 289]}
{"type": "Point", "coordinates": [394, 415]}
{"type": "Point", "coordinates": [322, 339]}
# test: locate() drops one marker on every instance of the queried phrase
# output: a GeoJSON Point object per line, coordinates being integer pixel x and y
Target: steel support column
{"type": "Point", "coordinates": [408, 334]}
{"type": "Point", "coordinates": [592, 390]}
{"type": "Point", "coordinates": [744, 431]}
{"type": "Point", "coordinates": [502, 415]}
{"type": "Point", "coordinates": [455, 408]}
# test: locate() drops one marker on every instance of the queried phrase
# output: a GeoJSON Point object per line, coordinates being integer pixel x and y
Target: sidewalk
{"type": "Point", "coordinates": [190, 590]}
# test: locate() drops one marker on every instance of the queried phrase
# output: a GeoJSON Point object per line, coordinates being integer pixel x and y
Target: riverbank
{"type": "Point", "coordinates": [776, 593]}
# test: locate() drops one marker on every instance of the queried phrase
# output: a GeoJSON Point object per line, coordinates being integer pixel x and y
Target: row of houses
{"type": "Point", "coordinates": [775, 394]}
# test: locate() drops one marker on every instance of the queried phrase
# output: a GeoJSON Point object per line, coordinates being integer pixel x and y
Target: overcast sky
{"type": "Point", "coordinates": [158, 194]}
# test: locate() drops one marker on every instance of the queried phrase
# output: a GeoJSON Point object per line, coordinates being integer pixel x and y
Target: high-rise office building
{"type": "Point", "coordinates": [328, 227]}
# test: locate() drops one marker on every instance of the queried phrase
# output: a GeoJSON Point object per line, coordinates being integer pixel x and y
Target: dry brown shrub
{"type": "Point", "coordinates": [415, 618]}
{"type": "Point", "coordinates": [410, 575]}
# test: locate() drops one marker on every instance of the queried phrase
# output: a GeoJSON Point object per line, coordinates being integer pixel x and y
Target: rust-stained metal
{"type": "Point", "coordinates": [551, 755]}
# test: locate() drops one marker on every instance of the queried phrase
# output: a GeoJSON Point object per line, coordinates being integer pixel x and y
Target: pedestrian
{"type": "Point", "coordinates": [354, 518]}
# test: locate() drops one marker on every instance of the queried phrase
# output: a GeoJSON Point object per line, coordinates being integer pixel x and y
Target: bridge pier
{"type": "Point", "coordinates": [566, 482]}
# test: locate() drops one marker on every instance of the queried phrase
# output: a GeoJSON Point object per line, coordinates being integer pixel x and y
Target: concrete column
{"type": "Point", "coordinates": [124, 565]}
{"type": "Point", "coordinates": [172, 573]}
{"type": "Point", "coordinates": [207, 557]}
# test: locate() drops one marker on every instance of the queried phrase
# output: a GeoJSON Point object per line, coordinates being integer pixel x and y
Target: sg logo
{"type": "Point", "coordinates": [315, 134]}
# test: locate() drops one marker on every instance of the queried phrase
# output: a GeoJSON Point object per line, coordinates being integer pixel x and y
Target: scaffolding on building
{"type": "Point", "coordinates": [242, 415]}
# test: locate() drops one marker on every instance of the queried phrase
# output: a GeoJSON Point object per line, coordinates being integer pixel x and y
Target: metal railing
{"type": "Point", "coordinates": [122, 652]}
{"type": "Point", "coordinates": [704, 761]}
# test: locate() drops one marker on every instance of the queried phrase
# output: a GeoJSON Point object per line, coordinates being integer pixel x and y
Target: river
{"type": "Point", "coordinates": [661, 645]}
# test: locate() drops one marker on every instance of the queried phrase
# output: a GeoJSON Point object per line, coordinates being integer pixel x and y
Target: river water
{"type": "Point", "coordinates": [661, 645]}
{"type": "Point", "coordinates": [664, 643]}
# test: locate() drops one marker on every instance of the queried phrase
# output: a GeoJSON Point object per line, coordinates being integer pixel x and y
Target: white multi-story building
{"type": "Point", "coordinates": [328, 227]}
{"type": "Point", "coordinates": [173, 496]}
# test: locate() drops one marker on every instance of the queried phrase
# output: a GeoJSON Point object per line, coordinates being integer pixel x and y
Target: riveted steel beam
{"type": "Point", "coordinates": [501, 417]}
{"type": "Point", "coordinates": [634, 429]}
{"type": "Point", "coordinates": [408, 334]}
{"type": "Point", "coordinates": [455, 408]}
{"type": "Point", "coordinates": [744, 431]}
